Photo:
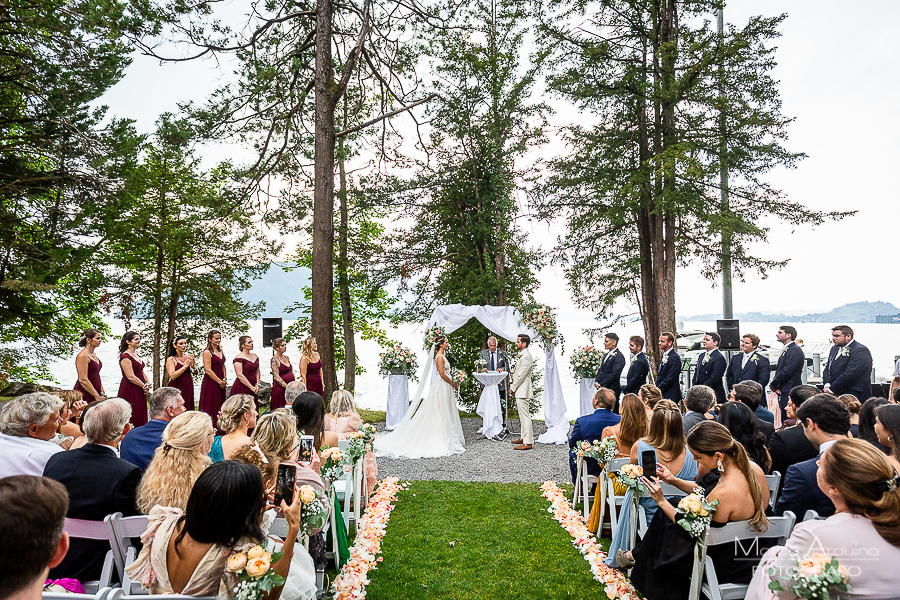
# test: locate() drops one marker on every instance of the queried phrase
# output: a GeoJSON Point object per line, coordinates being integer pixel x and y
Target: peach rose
{"type": "Point", "coordinates": [257, 567]}
{"type": "Point", "coordinates": [236, 562]}
{"type": "Point", "coordinates": [255, 552]}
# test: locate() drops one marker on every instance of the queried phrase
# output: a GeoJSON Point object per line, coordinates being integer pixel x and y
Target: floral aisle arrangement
{"type": "Point", "coordinates": [630, 476]}
{"type": "Point", "coordinates": [398, 359]}
{"type": "Point", "coordinates": [602, 451]}
{"type": "Point", "coordinates": [314, 515]}
{"type": "Point", "coordinates": [351, 582]}
{"type": "Point", "coordinates": [252, 566]}
{"type": "Point", "coordinates": [333, 467]}
{"type": "Point", "coordinates": [586, 361]}
{"type": "Point", "coordinates": [815, 578]}
{"type": "Point", "coordinates": [356, 448]}
{"type": "Point", "coordinates": [615, 584]}
{"type": "Point", "coordinates": [432, 334]}
{"type": "Point", "coordinates": [540, 317]}
{"type": "Point", "coordinates": [368, 433]}
{"type": "Point", "coordinates": [697, 511]}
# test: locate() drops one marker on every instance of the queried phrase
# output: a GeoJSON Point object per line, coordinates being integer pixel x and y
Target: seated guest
{"type": "Point", "coordinates": [761, 411]}
{"type": "Point", "coordinates": [98, 482]}
{"type": "Point", "coordinates": [663, 559]}
{"type": "Point", "coordinates": [853, 405]}
{"type": "Point", "coordinates": [27, 423]}
{"type": "Point", "coordinates": [32, 517]}
{"type": "Point", "coordinates": [750, 364]}
{"type": "Point", "coordinates": [177, 463]}
{"type": "Point", "coordinates": [276, 434]}
{"type": "Point", "coordinates": [744, 427]}
{"type": "Point", "coordinates": [309, 408]}
{"type": "Point", "coordinates": [824, 421]}
{"type": "Point", "coordinates": [73, 404]}
{"type": "Point", "coordinates": [864, 489]}
{"type": "Point", "coordinates": [186, 552]}
{"type": "Point", "coordinates": [632, 427]}
{"type": "Point", "coordinates": [343, 420]}
{"type": "Point", "coordinates": [666, 438]}
{"type": "Point", "coordinates": [589, 428]}
{"type": "Point", "coordinates": [711, 366]}
{"type": "Point", "coordinates": [887, 428]}
{"type": "Point", "coordinates": [746, 394]}
{"type": "Point", "coordinates": [867, 422]}
{"type": "Point", "coordinates": [650, 395]}
{"type": "Point", "coordinates": [699, 400]}
{"type": "Point", "coordinates": [236, 419]}
{"type": "Point", "coordinates": [141, 442]}
{"type": "Point", "coordinates": [790, 446]}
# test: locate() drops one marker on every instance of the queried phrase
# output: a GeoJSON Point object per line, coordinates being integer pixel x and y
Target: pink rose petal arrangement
{"type": "Point", "coordinates": [351, 582]}
{"type": "Point", "coordinates": [615, 584]}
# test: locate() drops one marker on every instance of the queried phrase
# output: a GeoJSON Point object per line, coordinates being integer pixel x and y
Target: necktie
{"type": "Point", "coordinates": [493, 368]}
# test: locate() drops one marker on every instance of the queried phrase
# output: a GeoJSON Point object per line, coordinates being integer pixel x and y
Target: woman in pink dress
{"type": "Point", "coordinates": [212, 389]}
{"type": "Point", "coordinates": [178, 367]}
{"type": "Point", "coordinates": [311, 367]}
{"type": "Point", "coordinates": [282, 373]}
{"type": "Point", "coordinates": [342, 419]}
{"type": "Point", "coordinates": [134, 386]}
{"type": "Point", "coordinates": [88, 365]}
{"type": "Point", "coordinates": [246, 369]}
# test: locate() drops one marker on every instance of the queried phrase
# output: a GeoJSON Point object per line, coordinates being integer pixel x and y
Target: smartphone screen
{"type": "Point", "coordinates": [284, 486]}
{"type": "Point", "coordinates": [305, 452]}
{"type": "Point", "coordinates": [648, 458]}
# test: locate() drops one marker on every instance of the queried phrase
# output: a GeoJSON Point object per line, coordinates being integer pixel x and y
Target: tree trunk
{"type": "Point", "coordinates": [157, 314]}
{"type": "Point", "coordinates": [344, 285]}
{"type": "Point", "coordinates": [323, 198]}
{"type": "Point", "coordinates": [173, 314]}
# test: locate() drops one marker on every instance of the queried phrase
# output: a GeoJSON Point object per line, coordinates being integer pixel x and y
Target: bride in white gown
{"type": "Point", "coordinates": [434, 429]}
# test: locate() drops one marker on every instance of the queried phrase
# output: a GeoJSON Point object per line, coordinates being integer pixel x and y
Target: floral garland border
{"type": "Point", "coordinates": [351, 582]}
{"type": "Point", "coordinates": [615, 583]}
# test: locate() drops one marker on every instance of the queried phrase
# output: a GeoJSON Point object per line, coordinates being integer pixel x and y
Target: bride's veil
{"type": "Point", "coordinates": [418, 397]}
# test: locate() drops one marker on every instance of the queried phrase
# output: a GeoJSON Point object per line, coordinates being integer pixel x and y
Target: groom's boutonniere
{"type": "Point", "coordinates": [845, 351]}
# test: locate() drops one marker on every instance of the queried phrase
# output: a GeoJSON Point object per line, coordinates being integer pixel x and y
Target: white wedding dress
{"type": "Point", "coordinates": [434, 429]}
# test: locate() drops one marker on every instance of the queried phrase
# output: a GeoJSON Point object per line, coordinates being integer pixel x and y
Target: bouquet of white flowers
{"type": "Point", "coordinates": [697, 511]}
{"type": "Point", "coordinates": [586, 361]}
{"type": "Point", "coordinates": [601, 451]}
{"type": "Point", "coordinates": [480, 365]}
{"type": "Point", "coordinates": [814, 578]}
{"type": "Point", "coordinates": [398, 361]}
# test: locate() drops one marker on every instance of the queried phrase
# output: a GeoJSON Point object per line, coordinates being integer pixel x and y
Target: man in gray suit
{"type": "Point", "coordinates": [497, 360]}
{"type": "Point", "coordinates": [698, 400]}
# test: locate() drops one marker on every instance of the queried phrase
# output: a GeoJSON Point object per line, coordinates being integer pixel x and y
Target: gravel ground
{"type": "Point", "coordinates": [485, 460]}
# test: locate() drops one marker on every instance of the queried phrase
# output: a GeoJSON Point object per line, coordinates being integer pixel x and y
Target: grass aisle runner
{"type": "Point", "coordinates": [478, 541]}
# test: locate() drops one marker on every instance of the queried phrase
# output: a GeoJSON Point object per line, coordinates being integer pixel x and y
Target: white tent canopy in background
{"type": "Point", "coordinates": [506, 322]}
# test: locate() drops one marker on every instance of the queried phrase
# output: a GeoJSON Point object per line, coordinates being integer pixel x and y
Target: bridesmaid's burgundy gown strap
{"type": "Point", "coordinates": [286, 372]}
{"type": "Point", "coordinates": [93, 376]}
{"type": "Point", "coordinates": [185, 384]}
{"type": "Point", "coordinates": [134, 393]}
{"type": "Point", "coordinates": [212, 396]}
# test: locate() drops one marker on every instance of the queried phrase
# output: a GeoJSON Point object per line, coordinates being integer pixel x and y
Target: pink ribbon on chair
{"type": "Point", "coordinates": [73, 586]}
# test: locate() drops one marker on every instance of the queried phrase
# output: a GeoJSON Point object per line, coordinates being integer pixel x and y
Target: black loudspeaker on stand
{"type": "Point", "coordinates": [271, 330]}
{"type": "Point", "coordinates": [729, 331]}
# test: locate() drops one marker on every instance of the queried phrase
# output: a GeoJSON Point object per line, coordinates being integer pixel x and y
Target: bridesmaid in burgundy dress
{"type": "Point", "coordinates": [311, 367]}
{"type": "Point", "coordinates": [134, 386]}
{"type": "Point", "coordinates": [246, 369]}
{"type": "Point", "coordinates": [88, 365]}
{"type": "Point", "coordinates": [178, 367]}
{"type": "Point", "coordinates": [212, 389]}
{"type": "Point", "coordinates": [282, 373]}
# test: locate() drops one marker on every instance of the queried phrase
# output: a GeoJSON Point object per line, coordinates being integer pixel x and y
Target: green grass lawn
{"type": "Point", "coordinates": [478, 541]}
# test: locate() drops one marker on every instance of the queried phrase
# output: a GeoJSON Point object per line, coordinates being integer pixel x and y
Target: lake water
{"type": "Point", "coordinates": [882, 339]}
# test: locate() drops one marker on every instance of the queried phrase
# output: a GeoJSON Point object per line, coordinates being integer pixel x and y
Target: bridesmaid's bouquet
{"type": "Point", "coordinates": [697, 511]}
{"type": "Point", "coordinates": [630, 476]}
{"type": "Point", "coordinates": [254, 572]}
{"type": "Point", "coordinates": [814, 578]}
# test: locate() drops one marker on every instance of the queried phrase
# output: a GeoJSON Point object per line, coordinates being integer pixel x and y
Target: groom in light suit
{"type": "Point", "coordinates": [520, 386]}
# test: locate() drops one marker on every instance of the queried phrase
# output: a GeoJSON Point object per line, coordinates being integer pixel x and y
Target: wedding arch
{"type": "Point", "coordinates": [505, 321]}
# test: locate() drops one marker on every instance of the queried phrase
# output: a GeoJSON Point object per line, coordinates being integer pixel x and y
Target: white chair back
{"type": "Point", "coordinates": [812, 515]}
{"type": "Point", "coordinates": [774, 480]}
{"type": "Point", "coordinates": [612, 500]}
{"type": "Point", "coordinates": [93, 530]}
{"type": "Point", "coordinates": [642, 521]}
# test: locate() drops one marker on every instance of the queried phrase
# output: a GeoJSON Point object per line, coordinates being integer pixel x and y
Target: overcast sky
{"type": "Point", "coordinates": [839, 77]}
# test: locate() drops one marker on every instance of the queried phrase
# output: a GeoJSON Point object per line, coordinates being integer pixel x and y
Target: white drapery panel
{"type": "Point", "coordinates": [505, 321]}
{"type": "Point", "coordinates": [398, 400]}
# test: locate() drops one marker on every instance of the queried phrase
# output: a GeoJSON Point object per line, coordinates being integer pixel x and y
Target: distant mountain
{"type": "Point", "coordinates": [278, 288]}
{"type": "Point", "coordinates": [856, 312]}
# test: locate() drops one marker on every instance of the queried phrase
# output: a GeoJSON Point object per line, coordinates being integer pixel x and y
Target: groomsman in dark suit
{"type": "Point", "coordinates": [668, 373]}
{"type": "Point", "coordinates": [610, 371]}
{"type": "Point", "coordinates": [711, 366]}
{"type": "Point", "coordinates": [849, 367]}
{"type": "Point", "coordinates": [749, 364]}
{"type": "Point", "coordinates": [789, 370]}
{"type": "Point", "coordinates": [640, 366]}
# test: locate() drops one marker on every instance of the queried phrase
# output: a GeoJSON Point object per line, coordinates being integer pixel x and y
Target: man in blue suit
{"type": "Point", "coordinates": [749, 364]}
{"type": "Point", "coordinates": [789, 369]}
{"type": "Point", "coordinates": [610, 372]}
{"type": "Point", "coordinates": [668, 374]}
{"type": "Point", "coordinates": [824, 420]}
{"type": "Point", "coordinates": [139, 445]}
{"type": "Point", "coordinates": [590, 427]}
{"type": "Point", "coordinates": [710, 369]}
{"type": "Point", "coordinates": [640, 366]}
{"type": "Point", "coordinates": [849, 367]}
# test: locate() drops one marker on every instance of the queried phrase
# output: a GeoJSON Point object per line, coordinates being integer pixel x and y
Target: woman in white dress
{"type": "Point", "coordinates": [433, 429]}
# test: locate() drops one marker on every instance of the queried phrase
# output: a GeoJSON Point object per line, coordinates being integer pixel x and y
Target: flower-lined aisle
{"type": "Point", "coordinates": [351, 582]}
{"type": "Point", "coordinates": [616, 585]}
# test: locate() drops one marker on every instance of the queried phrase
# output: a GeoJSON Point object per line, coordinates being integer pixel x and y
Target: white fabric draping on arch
{"type": "Point", "coordinates": [505, 321]}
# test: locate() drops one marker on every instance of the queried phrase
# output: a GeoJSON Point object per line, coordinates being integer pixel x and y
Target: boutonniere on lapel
{"type": "Point", "coordinates": [634, 358]}
{"type": "Point", "coordinates": [665, 358]}
{"type": "Point", "coordinates": [845, 351]}
{"type": "Point", "coordinates": [705, 359]}
{"type": "Point", "coordinates": [755, 358]}
{"type": "Point", "coordinates": [783, 350]}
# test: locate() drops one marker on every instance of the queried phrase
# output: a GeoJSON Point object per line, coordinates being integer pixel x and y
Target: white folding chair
{"type": "Point", "coordinates": [101, 594]}
{"type": "Point", "coordinates": [742, 535]}
{"type": "Point", "coordinates": [121, 531]}
{"type": "Point", "coordinates": [93, 530]}
{"type": "Point", "coordinates": [612, 500]}
{"type": "Point", "coordinates": [812, 515]}
{"type": "Point", "coordinates": [280, 528]}
{"type": "Point", "coordinates": [119, 594]}
{"type": "Point", "coordinates": [583, 483]}
{"type": "Point", "coordinates": [641, 517]}
{"type": "Point", "coordinates": [773, 480]}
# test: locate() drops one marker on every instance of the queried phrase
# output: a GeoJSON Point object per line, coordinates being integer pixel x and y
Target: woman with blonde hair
{"type": "Point", "coordinates": [650, 395]}
{"type": "Point", "coordinates": [177, 463]}
{"type": "Point", "coordinates": [236, 419]}
{"type": "Point", "coordinates": [665, 438]}
{"type": "Point", "coordinates": [342, 419]}
{"type": "Point", "coordinates": [311, 367]}
{"type": "Point", "coordinates": [276, 434]}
